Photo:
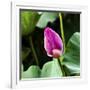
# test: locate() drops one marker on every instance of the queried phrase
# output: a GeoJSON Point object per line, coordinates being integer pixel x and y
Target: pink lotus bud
{"type": "Point", "coordinates": [52, 43]}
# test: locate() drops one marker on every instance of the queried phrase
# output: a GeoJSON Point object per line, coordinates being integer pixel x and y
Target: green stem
{"type": "Point", "coordinates": [63, 73]}
{"type": "Point", "coordinates": [61, 30]}
{"type": "Point", "coordinates": [33, 51]}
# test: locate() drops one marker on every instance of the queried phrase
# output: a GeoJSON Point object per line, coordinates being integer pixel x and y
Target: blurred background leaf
{"type": "Point", "coordinates": [28, 21]}
{"type": "Point", "coordinates": [71, 59]}
{"type": "Point", "coordinates": [45, 18]}
{"type": "Point", "coordinates": [25, 53]}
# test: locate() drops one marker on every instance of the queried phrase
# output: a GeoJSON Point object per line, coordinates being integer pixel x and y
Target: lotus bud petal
{"type": "Point", "coordinates": [52, 43]}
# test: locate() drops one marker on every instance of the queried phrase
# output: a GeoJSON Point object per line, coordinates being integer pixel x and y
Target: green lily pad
{"type": "Point", "coordinates": [32, 72]}
{"type": "Point", "coordinates": [71, 57]}
{"type": "Point", "coordinates": [51, 69]}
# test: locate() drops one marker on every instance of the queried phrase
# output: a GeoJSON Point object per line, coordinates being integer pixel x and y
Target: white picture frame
{"type": "Point", "coordinates": [15, 60]}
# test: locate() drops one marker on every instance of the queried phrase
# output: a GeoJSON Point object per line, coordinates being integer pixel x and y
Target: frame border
{"type": "Point", "coordinates": [15, 35]}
